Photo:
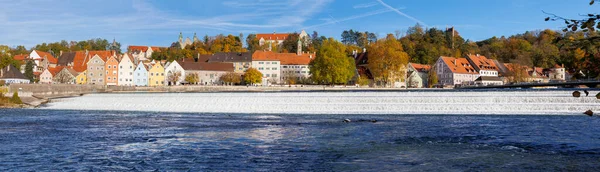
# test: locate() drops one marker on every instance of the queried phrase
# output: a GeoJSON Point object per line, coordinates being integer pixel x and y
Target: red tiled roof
{"type": "Point", "coordinates": [42, 54]}
{"type": "Point", "coordinates": [55, 70]}
{"type": "Point", "coordinates": [482, 62]}
{"type": "Point", "coordinates": [284, 58]}
{"type": "Point", "coordinates": [421, 67]}
{"type": "Point", "coordinates": [52, 60]}
{"type": "Point", "coordinates": [21, 57]}
{"type": "Point", "coordinates": [143, 48]}
{"type": "Point", "coordinates": [272, 36]}
{"type": "Point", "coordinates": [462, 65]}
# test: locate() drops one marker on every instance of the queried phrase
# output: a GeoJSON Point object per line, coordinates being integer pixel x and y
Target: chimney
{"type": "Point", "coordinates": [310, 56]}
{"type": "Point", "coordinates": [364, 50]}
{"type": "Point", "coordinates": [60, 53]}
{"type": "Point", "coordinates": [454, 62]}
{"type": "Point", "coordinates": [477, 55]}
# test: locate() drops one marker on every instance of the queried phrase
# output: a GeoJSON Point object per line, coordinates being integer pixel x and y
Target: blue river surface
{"type": "Point", "coordinates": [60, 140]}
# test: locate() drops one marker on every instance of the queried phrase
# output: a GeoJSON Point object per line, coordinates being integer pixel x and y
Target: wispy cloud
{"type": "Point", "coordinates": [366, 5]}
{"type": "Point", "coordinates": [334, 21]}
{"type": "Point", "coordinates": [401, 13]}
{"type": "Point", "coordinates": [138, 19]}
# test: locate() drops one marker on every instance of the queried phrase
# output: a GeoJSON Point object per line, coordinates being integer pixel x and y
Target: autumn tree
{"type": "Point", "coordinates": [252, 76]}
{"type": "Point", "coordinates": [387, 61]}
{"type": "Point", "coordinates": [332, 65]}
{"type": "Point", "coordinates": [192, 78]}
{"type": "Point", "coordinates": [432, 78]}
{"type": "Point", "coordinates": [173, 77]}
{"type": "Point", "coordinates": [231, 78]}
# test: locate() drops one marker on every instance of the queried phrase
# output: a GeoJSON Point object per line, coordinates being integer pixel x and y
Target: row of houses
{"type": "Point", "coordinates": [136, 69]}
{"type": "Point", "coordinates": [466, 71]}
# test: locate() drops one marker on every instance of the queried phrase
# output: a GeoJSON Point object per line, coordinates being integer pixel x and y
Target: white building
{"type": "Point", "coordinates": [455, 71]}
{"type": "Point", "coordinates": [417, 75]}
{"type": "Point", "coordinates": [172, 68]}
{"type": "Point", "coordinates": [557, 73]}
{"type": "Point", "coordinates": [487, 69]}
{"type": "Point", "coordinates": [269, 65]}
{"type": "Point", "coordinates": [267, 38]}
{"type": "Point", "coordinates": [11, 75]}
{"type": "Point", "coordinates": [126, 69]}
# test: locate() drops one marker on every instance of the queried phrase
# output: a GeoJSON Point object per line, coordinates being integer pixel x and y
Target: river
{"type": "Point", "coordinates": [305, 131]}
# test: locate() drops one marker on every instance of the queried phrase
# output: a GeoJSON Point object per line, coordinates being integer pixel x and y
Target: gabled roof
{"type": "Point", "coordinates": [482, 62]}
{"type": "Point", "coordinates": [55, 70]}
{"type": "Point", "coordinates": [284, 58]}
{"type": "Point", "coordinates": [104, 55]}
{"type": "Point", "coordinates": [459, 65]}
{"type": "Point", "coordinates": [421, 67]}
{"type": "Point", "coordinates": [272, 36]}
{"type": "Point", "coordinates": [263, 56]}
{"type": "Point", "coordinates": [362, 58]}
{"type": "Point", "coordinates": [21, 57]}
{"type": "Point", "coordinates": [42, 54]}
{"type": "Point", "coordinates": [52, 60]}
{"type": "Point", "coordinates": [231, 57]}
{"type": "Point", "coordinates": [66, 58]}
{"type": "Point", "coordinates": [72, 71]}
{"type": "Point", "coordinates": [80, 61]}
{"type": "Point", "coordinates": [11, 72]}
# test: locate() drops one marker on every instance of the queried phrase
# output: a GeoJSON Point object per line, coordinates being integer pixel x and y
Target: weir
{"type": "Point", "coordinates": [421, 102]}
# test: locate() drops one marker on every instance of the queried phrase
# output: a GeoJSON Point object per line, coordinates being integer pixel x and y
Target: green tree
{"type": "Point", "coordinates": [16, 99]}
{"type": "Point", "coordinates": [252, 76]}
{"type": "Point", "coordinates": [332, 65]}
{"type": "Point", "coordinates": [252, 43]}
{"type": "Point", "coordinates": [290, 44]}
{"type": "Point", "coordinates": [387, 61]}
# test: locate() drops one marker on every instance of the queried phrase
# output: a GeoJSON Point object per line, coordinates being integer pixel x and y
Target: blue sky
{"type": "Point", "coordinates": [158, 22]}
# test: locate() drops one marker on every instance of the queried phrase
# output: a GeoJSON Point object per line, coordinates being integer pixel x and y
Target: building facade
{"type": "Point", "coordinates": [171, 68]}
{"type": "Point", "coordinates": [455, 71]}
{"type": "Point", "coordinates": [156, 75]}
{"type": "Point", "coordinates": [268, 65]}
{"type": "Point", "coordinates": [417, 75]}
{"type": "Point", "coordinates": [111, 67]}
{"type": "Point", "coordinates": [126, 68]}
{"type": "Point", "coordinates": [140, 75]}
{"type": "Point", "coordinates": [96, 71]}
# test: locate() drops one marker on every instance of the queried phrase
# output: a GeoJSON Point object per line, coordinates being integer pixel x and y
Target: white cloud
{"type": "Point", "coordinates": [366, 5]}
{"type": "Point", "coordinates": [333, 21]}
{"type": "Point", "coordinates": [401, 13]}
{"type": "Point", "coordinates": [25, 24]}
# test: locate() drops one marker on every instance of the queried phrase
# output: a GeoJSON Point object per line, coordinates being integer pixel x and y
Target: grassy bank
{"type": "Point", "coordinates": [9, 102]}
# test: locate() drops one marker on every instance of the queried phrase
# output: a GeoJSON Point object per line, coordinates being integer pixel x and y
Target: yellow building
{"type": "Point", "coordinates": [156, 75]}
{"type": "Point", "coordinates": [81, 78]}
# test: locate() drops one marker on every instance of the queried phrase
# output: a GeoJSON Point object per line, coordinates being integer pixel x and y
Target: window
{"type": "Point", "coordinates": [268, 75]}
{"type": "Point", "coordinates": [274, 75]}
{"type": "Point", "coordinates": [274, 68]}
{"type": "Point", "coordinates": [115, 78]}
{"type": "Point", "coordinates": [268, 62]}
{"type": "Point", "coordinates": [130, 73]}
{"type": "Point", "coordinates": [274, 62]}
{"type": "Point", "coordinates": [120, 67]}
{"type": "Point", "coordinates": [151, 74]}
{"type": "Point", "coordinates": [138, 74]}
{"type": "Point", "coordinates": [284, 67]}
{"type": "Point", "coordinates": [261, 62]}
{"type": "Point", "coordinates": [91, 74]}
{"type": "Point", "coordinates": [101, 74]}
{"type": "Point", "coordinates": [162, 74]}
{"type": "Point", "coordinates": [109, 66]}
{"type": "Point", "coordinates": [260, 68]}
{"type": "Point", "coordinates": [114, 66]}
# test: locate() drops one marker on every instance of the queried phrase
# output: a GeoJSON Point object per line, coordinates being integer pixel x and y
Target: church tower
{"type": "Point", "coordinates": [299, 49]}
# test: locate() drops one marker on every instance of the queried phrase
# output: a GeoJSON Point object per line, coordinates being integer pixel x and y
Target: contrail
{"type": "Point", "coordinates": [401, 13]}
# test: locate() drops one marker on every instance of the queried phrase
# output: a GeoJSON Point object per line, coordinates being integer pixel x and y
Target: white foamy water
{"type": "Point", "coordinates": [508, 103]}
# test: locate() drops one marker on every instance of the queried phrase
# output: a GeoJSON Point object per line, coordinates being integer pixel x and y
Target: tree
{"type": "Point", "coordinates": [6, 59]}
{"type": "Point", "coordinates": [173, 77]}
{"type": "Point", "coordinates": [16, 99]}
{"type": "Point", "coordinates": [192, 78]}
{"type": "Point", "coordinates": [432, 78]}
{"type": "Point", "coordinates": [231, 78]}
{"type": "Point", "coordinates": [290, 44]}
{"type": "Point", "coordinates": [63, 77]}
{"type": "Point", "coordinates": [387, 61]}
{"type": "Point", "coordinates": [291, 77]}
{"type": "Point", "coordinates": [332, 65]}
{"type": "Point", "coordinates": [252, 76]}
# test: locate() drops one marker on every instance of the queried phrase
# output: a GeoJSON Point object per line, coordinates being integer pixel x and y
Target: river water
{"type": "Point", "coordinates": [97, 133]}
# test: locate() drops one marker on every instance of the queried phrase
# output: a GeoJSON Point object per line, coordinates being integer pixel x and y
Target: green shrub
{"type": "Point", "coordinates": [15, 98]}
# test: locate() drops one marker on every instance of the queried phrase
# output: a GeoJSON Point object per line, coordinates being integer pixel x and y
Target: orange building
{"type": "Point", "coordinates": [111, 76]}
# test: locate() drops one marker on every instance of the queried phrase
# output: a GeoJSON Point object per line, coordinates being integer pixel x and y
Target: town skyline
{"type": "Point", "coordinates": [159, 23]}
